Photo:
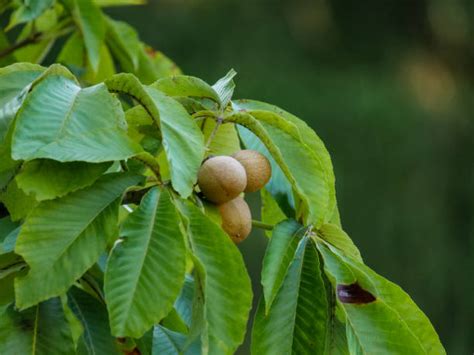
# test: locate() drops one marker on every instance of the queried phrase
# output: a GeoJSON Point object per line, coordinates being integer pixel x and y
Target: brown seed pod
{"type": "Point", "coordinates": [221, 179]}
{"type": "Point", "coordinates": [236, 219]}
{"type": "Point", "coordinates": [257, 168]}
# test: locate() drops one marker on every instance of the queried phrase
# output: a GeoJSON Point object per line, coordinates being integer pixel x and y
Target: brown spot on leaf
{"type": "Point", "coordinates": [354, 294]}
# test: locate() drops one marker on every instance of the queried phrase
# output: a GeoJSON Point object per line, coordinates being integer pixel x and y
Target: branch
{"type": "Point", "coordinates": [27, 41]}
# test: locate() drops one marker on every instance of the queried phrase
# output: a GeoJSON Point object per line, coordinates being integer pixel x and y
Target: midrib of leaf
{"type": "Point", "coordinates": [35, 331]}
{"type": "Point", "coordinates": [300, 270]}
{"type": "Point", "coordinates": [171, 341]}
{"type": "Point", "coordinates": [354, 332]}
{"type": "Point", "coordinates": [87, 332]}
{"type": "Point", "coordinates": [150, 230]}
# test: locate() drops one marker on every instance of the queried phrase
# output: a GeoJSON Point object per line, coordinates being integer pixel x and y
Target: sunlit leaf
{"type": "Point", "coordinates": [63, 122]}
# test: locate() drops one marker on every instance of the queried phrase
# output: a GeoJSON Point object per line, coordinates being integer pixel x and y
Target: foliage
{"type": "Point", "coordinates": [105, 246]}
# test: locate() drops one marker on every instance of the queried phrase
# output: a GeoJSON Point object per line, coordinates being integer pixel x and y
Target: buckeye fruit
{"type": "Point", "coordinates": [221, 179]}
{"type": "Point", "coordinates": [257, 167]}
{"type": "Point", "coordinates": [236, 219]}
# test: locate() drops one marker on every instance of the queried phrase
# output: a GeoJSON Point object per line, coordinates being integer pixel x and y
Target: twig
{"type": "Point", "coordinates": [262, 225]}
{"type": "Point", "coordinates": [27, 41]}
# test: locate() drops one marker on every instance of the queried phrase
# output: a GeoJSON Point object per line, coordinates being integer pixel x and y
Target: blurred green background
{"type": "Point", "coordinates": [389, 87]}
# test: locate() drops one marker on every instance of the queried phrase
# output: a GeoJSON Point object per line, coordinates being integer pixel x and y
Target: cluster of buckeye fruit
{"type": "Point", "coordinates": [222, 180]}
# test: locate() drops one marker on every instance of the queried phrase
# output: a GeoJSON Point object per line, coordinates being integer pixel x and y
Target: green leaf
{"type": "Point", "coordinates": [63, 238]}
{"type": "Point", "coordinates": [224, 88]}
{"type": "Point", "coordinates": [223, 280]}
{"type": "Point", "coordinates": [90, 21]}
{"type": "Point", "coordinates": [283, 141]}
{"type": "Point", "coordinates": [63, 122]}
{"type": "Point", "coordinates": [150, 253]}
{"type": "Point", "coordinates": [225, 141]}
{"type": "Point", "coordinates": [183, 85]}
{"type": "Point", "coordinates": [278, 186]}
{"type": "Point", "coordinates": [92, 314]}
{"type": "Point", "coordinates": [381, 317]}
{"type": "Point", "coordinates": [28, 11]}
{"type": "Point", "coordinates": [182, 140]}
{"type": "Point", "coordinates": [74, 324]}
{"type": "Point", "coordinates": [105, 70]}
{"type": "Point", "coordinates": [278, 257]}
{"type": "Point", "coordinates": [124, 43]}
{"type": "Point", "coordinates": [167, 342]}
{"type": "Point", "coordinates": [48, 179]}
{"type": "Point", "coordinates": [73, 54]}
{"type": "Point", "coordinates": [297, 321]}
{"type": "Point", "coordinates": [18, 203]}
{"type": "Point", "coordinates": [271, 213]}
{"type": "Point", "coordinates": [15, 82]}
{"type": "Point", "coordinates": [338, 238]}
{"type": "Point", "coordinates": [42, 329]}
{"type": "Point", "coordinates": [184, 302]}
{"type": "Point", "coordinates": [308, 136]}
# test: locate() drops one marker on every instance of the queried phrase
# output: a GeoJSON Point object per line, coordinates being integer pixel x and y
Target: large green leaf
{"type": "Point", "coordinates": [63, 122]}
{"type": "Point", "coordinates": [182, 140]}
{"type": "Point", "coordinates": [308, 136]}
{"type": "Point", "coordinates": [297, 321]}
{"type": "Point", "coordinates": [42, 329]}
{"type": "Point", "coordinates": [91, 23]}
{"type": "Point", "coordinates": [48, 179]}
{"type": "Point", "coordinates": [284, 142]}
{"type": "Point", "coordinates": [278, 257]}
{"type": "Point", "coordinates": [223, 281]}
{"type": "Point", "coordinates": [183, 85]}
{"type": "Point", "coordinates": [14, 84]}
{"type": "Point", "coordinates": [96, 338]}
{"type": "Point", "coordinates": [62, 238]}
{"type": "Point", "coordinates": [381, 317]}
{"type": "Point", "coordinates": [145, 271]}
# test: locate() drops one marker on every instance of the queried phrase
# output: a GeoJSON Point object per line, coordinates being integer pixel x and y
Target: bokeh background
{"type": "Point", "coordinates": [389, 86]}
